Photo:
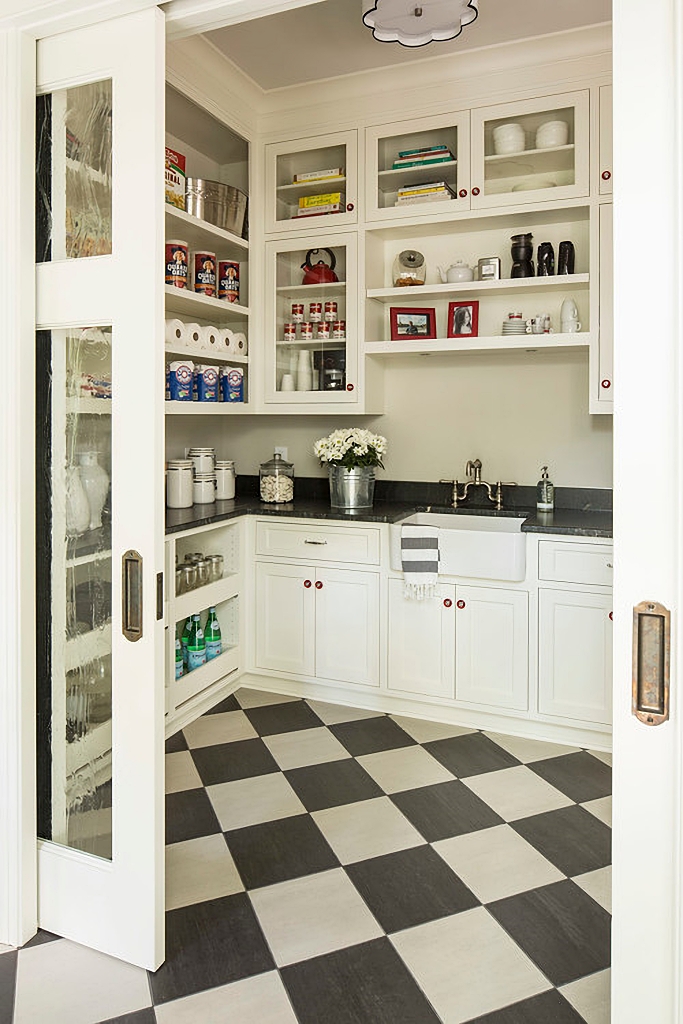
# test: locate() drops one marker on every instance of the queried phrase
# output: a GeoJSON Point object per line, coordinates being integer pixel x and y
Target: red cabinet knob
{"type": "Point", "coordinates": [349, 387]}
{"type": "Point", "coordinates": [611, 616]}
{"type": "Point", "coordinates": [447, 602]}
{"type": "Point", "coordinates": [460, 604]}
{"type": "Point", "coordinates": [605, 383]}
{"type": "Point", "coordinates": [475, 191]}
{"type": "Point", "coordinates": [462, 193]}
{"type": "Point", "coordinates": [318, 585]}
{"type": "Point", "coordinates": [349, 207]}
{"type": "Point", "coordinates": [606, 175]}
{"type": "Point", "coordinates": [307, 583]}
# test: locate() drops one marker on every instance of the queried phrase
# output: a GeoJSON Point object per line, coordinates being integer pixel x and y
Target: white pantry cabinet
{"type": "Point", "coordinates": [421, 642]}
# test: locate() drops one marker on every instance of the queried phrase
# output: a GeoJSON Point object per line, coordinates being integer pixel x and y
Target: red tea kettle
{"type": "Point", "coordinates": [319, 273]}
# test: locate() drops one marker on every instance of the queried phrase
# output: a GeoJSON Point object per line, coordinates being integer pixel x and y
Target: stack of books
{"type": "Point", "coordinates": [314, 206]}
{"type": "Point", "coordinates": [330, 172]}
{"type": "Point", "coordinates": [422, 157]}
{"type": "Point", "coordinates": [433, 192]}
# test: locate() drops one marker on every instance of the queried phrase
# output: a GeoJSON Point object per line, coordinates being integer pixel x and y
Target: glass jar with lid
{"type": "Point", "coordinates": [276, 480]}
{"type": "Point", "coordinates": [409, 269]}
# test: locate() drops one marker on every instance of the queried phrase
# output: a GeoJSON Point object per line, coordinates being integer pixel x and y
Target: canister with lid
{"type": "Point", "coordinates": [179, 483]}
{"type": "Point", "coordinates": [225, 480]}
{"type": "Point", "coordinates": [189, 577]}
{"type": "Point", "coordinates": [276, 480]}
{"type": "Point", "coordinates": [204, 488]}
{"type": "Point", "coordinates": [203, 459]}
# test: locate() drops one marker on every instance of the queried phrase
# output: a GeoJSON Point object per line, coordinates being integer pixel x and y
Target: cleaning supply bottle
{"type": "Point", "coordinates": [545, 492]}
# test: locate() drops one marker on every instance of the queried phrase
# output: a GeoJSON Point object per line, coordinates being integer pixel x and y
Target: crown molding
{"type": "Point", "coordinates": [188, 17]}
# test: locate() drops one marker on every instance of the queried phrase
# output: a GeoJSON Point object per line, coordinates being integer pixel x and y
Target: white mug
{"type": "Point", "coordinates": [571, 326]}
{"type": "Point", "coordinates": [287, 382]}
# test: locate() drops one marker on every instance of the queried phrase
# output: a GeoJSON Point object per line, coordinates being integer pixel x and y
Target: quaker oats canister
{"type": "Point", "coordinates": [176, 263]}
{"type": "Point", "coordinates": [204, 272]}
{"type": "Point", "coordinates": [229, 281]}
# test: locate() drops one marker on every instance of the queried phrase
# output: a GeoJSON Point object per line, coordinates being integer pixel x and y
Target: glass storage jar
{"type": "Point", "coordinates": [276, 480]}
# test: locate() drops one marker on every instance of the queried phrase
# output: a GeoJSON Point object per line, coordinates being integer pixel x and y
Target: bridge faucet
{"type": "Point", "coordinates": [473, 471]}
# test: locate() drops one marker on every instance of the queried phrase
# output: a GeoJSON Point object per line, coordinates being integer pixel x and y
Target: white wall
{"type": "Point", "coordinates": [515, 412]}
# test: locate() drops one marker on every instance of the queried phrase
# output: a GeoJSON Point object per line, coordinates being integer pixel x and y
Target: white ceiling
{"type": "Point", "coordinates": [328, 39]}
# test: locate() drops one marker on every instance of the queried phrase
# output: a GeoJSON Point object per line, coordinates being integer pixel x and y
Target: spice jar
{"type": "Point", "coordinates": [276, 480]}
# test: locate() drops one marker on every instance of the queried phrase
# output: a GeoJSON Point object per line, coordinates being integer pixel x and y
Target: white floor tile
{"type": "Point", "coordinates": [590, 997]}
{"type": "Point", "coordinates": [405, 768]}
{"type": "Point", "coordinates": [601, 808]}
{"type": "Point", "coordinates": [602, 755]}
{"type": "Point", "coordinates": [516, 793]}
{"type": "Point", "coordinates": [526, 750]}
{"type": "Point", "coordinates": [367, 829]}
{"type": "Point", "coordinates": [252, 801]}
{"type": "Point", "coordinates": [200, 869]}
{"type": "Point", "coordinates": [222, 728]}
{"type": "Point", "coordinates": [598, 884]}
{"type": "Point", "coordinates": [181, 773]}
{"type": "Point", "coordinates": [258, 698]}
{"type": "Point", "coordinates": [309, 916]}
{"type": "Point", "coordinates": [496, 862]}
{"type": "Point", "coordinates": [423, 731]}
{"type": "Point", "coordinates": [467, 965]}
{"type": "Point", "coordinates": [64, 983]}
{"type": "Point", "coordinates": [258, 1000]}
{"type": "Point", "coordinates": [333, 714]}
{"type": "Point", "coordinates": [6, 949]}
{"type": "Point", "coordinates": [304, 747]}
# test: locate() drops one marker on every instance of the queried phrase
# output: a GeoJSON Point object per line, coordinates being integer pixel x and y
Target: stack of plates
{"type": "Point", "coordinates": [514, 327]}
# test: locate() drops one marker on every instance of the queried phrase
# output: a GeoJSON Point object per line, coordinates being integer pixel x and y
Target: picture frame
{"type": "Point", "coordinates": [463, 319]}
{"type": "Point", "coordinates": [409, 324]}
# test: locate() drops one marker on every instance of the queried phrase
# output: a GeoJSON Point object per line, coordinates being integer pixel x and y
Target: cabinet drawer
{"type": "Point", "coordinates": [575, 563]}
{"type": "Point", "coordinates": [318, 543]}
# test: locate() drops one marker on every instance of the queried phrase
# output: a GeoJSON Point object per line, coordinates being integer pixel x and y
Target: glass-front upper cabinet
{"type": "Point", "coordinates": [312, 332]}
{"type": "Point", "coordinates": [530, 152]}
{"type": "Point", "coordinates": [418, 167]}
{"type": "Point", "coordinates": [312, 182]}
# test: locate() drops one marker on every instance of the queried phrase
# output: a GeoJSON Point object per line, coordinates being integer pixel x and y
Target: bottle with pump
{"type": "Point", "coordinates": [212, 634]}
{"type": "Point", "coordinates": [545, 492]}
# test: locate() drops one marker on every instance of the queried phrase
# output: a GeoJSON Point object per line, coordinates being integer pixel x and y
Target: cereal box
{"type": "Point", "coordinates": [174, 178]}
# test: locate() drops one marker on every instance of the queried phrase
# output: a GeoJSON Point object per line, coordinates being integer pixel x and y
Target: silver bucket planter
{"type": "Point", "coordinates": [352, 489]}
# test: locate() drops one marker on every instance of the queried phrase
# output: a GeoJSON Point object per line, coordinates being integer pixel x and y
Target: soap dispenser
{"type": "Point", "coordinates": [545, 492]}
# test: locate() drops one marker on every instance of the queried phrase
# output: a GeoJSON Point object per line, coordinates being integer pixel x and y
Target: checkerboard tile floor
{"type": "Point", "coordinates": [326, 864]}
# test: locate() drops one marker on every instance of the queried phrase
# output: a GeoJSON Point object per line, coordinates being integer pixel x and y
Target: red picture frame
{"type": "Point", "coordinates": [410, 324]}
{"type": "Point", "coordinates": [460, 324]}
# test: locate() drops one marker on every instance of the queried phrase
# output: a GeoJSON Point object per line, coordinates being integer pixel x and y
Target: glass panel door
{"type": "Point", "coordinates": [311, 180]}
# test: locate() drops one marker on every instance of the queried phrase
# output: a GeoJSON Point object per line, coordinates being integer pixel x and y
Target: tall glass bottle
{"type": "Point", "coordinates": [212, 631]}
{"type": "Point", "coordinates": [196, 645]}
{"type": "Point", "coordinates": [185, 637]}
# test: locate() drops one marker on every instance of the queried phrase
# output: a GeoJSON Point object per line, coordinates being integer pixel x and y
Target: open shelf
{"type": "Point", "coordinates": [201, 678]}
{"type": "Point", "coordinates": [206, 408]}
{"type": "Point", "coordinates": [496, 343]}
{"type": "Point", "coordinates": [314, 343]}
{"type": "Point", "coordinates": [210, 595]}
{"type": "Point", "coordinates": [182, 300]}
{"type": "Point", "coordinates": [502, 285]}
{"type": "Point", "coordinates": [328, 288]}
{"type": "Point", "coordinates": [220, 355]}
{"type": "Point", "coordinates": [197, 233]}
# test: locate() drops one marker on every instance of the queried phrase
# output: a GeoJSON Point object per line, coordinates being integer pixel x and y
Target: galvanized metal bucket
{"type": "Point", "coordinates": [219, 204]}
{"type": "Point", "coordinates": [352, 488]}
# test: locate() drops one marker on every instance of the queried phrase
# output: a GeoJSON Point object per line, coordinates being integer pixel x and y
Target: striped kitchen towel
{"type": "Point", "coordinates": [420, 561]}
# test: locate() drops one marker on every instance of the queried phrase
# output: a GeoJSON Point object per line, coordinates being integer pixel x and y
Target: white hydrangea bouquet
{"type": "Point", "coordinates": [352, 447]}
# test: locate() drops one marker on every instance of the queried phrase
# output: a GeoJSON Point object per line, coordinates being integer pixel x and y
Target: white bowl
{"type": "Point", "coordinates": [508, 138]}
{"type": "Point", "coordinates": [551, 134]}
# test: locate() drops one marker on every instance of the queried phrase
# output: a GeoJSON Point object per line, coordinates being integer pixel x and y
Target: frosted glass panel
{"type": "Point", "coordinates": [73, 173]}
{"type": "Point", "coordinates": [75, 580]}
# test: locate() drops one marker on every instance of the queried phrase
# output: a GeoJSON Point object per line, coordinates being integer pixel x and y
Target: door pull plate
{"type": "Point", "coordinates": [131, 595]}
{"type": "Point", "coordinates": [651, 662]}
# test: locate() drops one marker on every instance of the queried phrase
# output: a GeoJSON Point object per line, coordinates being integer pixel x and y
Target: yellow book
{"type": "Point", "coordinates": [331, 197]}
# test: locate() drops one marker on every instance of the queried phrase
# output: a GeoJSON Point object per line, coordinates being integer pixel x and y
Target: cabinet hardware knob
{"type": "Point", "coordinates": [610, 565]}
{"type": "Point", "coordinates": [605, 383]}
{"type": "Point", "coordinates": [318, 585]}
{"type": "Point", "coordinates": [307, 583]}
{"type": "Point", "coordinates": [460, 604]}
{"type": "Point", "coordinates": [349, 387]}
{"type": "Point", "coordinates": [606, 175]}
{"type": "Point", "coordinates": [462, 193]}
{"type": "Point", "coordinates": [306, 541]}
{"type": "Point", "coordinates": [475, 191]}
{"type": "Point", "coordinates": [447, 602]}
{"type": "Point", "coordinates": [349, 207]}
{"type": "Point", "coordinates": [611, 616]}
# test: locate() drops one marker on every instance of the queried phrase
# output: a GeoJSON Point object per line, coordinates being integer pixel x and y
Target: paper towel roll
{"type": "Point", "coordinates": [211, 339]}
{"type": "Point", "coordinates": [175, 332]}
{"type": "Point", "coordinates": [239, 344]}
{"type": "Point", "coordinates": [194, 336]}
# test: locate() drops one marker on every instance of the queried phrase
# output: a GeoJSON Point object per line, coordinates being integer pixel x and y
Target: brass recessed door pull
{"type": "Point", "coordinates": [651, 659]}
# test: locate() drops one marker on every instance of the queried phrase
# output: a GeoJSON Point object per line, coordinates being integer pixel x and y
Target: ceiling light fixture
{"type": "Point", "coordinates": [418, 22]}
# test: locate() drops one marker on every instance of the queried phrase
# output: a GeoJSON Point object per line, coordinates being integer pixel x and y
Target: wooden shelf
{"type": "Point", "coordinates": [182, 300]}
{"type": "Point", "coordinates": [201, 234]}
{"type": "Point", "coordinates": [201, 598]}
{"type": "Point", "coordinates": [521, 284]}
{"type": "Point", "coordinates": [206, 408]}
{"type": "Point", "coordinates": [495, 343]}
{"type": "Point", "coordinates": [200, 355]}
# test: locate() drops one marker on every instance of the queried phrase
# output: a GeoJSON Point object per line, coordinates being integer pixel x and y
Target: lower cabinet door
{"type": "Point", "coordinates": [492, 647]}
{"type": "Point", "coordinates": [421, 642]}
{"type": "Point", "coordinates": [285, 618]}
{"type": "Point", "coordinates": [575, 655]}
{"type": "Point", "coordinates": [347, 626]}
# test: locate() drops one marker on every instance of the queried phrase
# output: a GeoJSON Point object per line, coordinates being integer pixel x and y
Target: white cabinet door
{"type": "Point", "coordinates": [285, 618]}
{"type": "Point", "coordinates": [492, 647]}
{"type": "Point", "coordinates": [605, 383]}
{"type": "Point", "coordinates": [575, 655]}
{"type": "Point", "coordinates": [605, 140]}
{"type": "Point", "coordinates": [421, 642]}
{"type": "Point", "coordinates": [347, 626]}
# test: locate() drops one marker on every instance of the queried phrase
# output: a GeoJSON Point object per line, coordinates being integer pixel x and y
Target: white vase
{"type": "Point", "coordinates": [77, 506]}
{"type": "Point", "coordinates": [95, 481]}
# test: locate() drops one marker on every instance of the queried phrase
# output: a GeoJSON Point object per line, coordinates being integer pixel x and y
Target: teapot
{"type": "Point", "coordinates": [319, 273]}
{"type": "Point", "coordinates": [457, 272]}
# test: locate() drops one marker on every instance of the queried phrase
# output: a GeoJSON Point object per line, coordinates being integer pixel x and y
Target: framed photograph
{"type": "Point", "coordinates": [409, 323]}
{"type": "Point", "coordinates": [463, 319]}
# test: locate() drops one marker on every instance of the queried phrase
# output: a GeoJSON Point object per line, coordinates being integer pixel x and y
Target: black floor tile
{"type": "Point", "coordinates": [189, 814]}
{"type": "Point", "coordinates": [40, 937]}
{"type": "Point", "coordinates": [410, 888]}
{"type": "Point", "coordinates": [365, 984]}
{"type": "Point", "coordinates": [226, 762]}
{"type": "Point", "coordinates": [278, 850]}
{"type": "Point", "coordinates": [332, 784]}
{"type": "Point", "coordinates": [229, 704]}
{"type": "Point", "coordinates": [571, 838]}
{"type": "Point", "coordinates": [445, 810]}
{"type": "Point", "coordinates": [176, 743]}
{"type": "Point", "coordinates": [288, 717]}
{"type": "Point", "coordinates": [472, 754]}
{"type": "Point", "coordinates": [8, 978]}
{"type": "Point", "coordinates": [146, 1016]}
{"type": "Point", "coordinates": [370, 735]}
{"type": "Point", "coordinates": [548, 1008]}
{"type": "Point", "coordinates": [579, 776]}
{"type": "Point", "coordinates": [564, 931]}
{"type": "Point", "coordinates": [210, 944]}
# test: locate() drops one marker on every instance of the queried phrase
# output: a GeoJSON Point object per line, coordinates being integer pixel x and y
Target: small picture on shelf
{"type": "Point", "coordinates": [463, 319]}
{"type": "Point", "coordinates": [412, 323]}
